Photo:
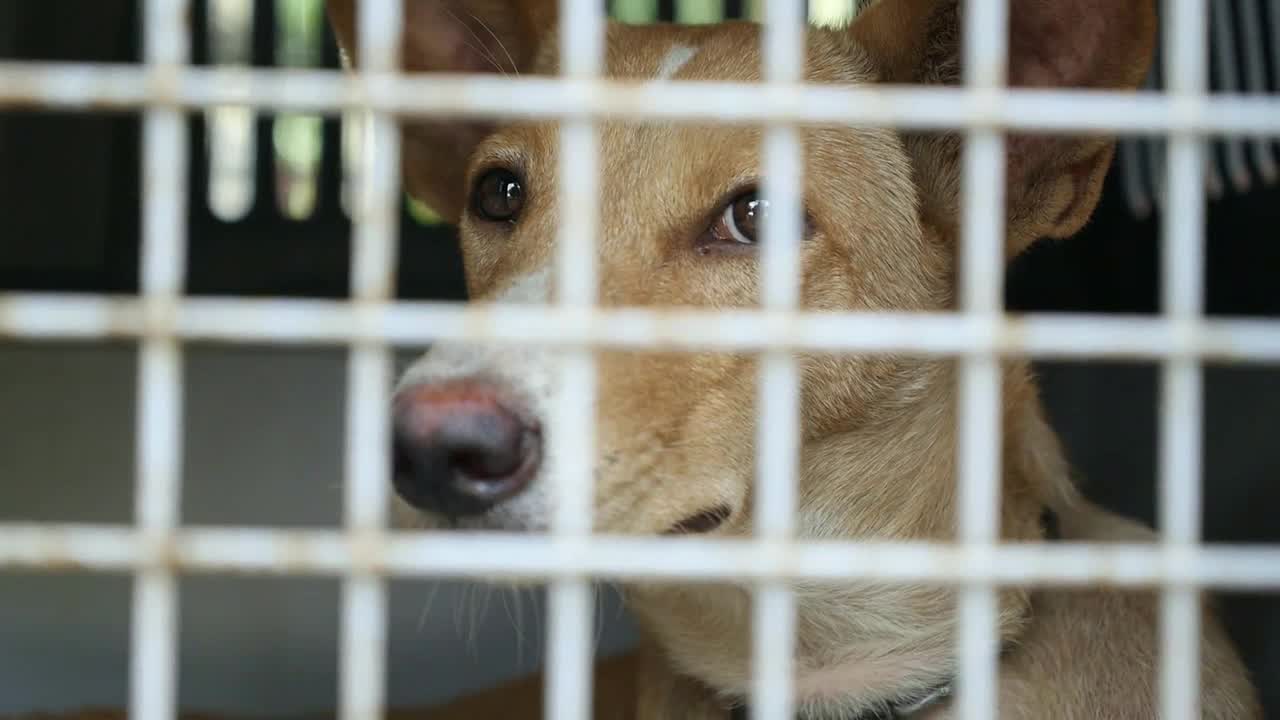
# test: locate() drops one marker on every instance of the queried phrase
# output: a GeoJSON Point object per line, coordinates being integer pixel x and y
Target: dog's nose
{"type": "Point", "coordinates": [457, 450]}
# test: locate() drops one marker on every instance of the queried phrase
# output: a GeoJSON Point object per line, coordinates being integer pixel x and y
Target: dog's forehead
{"type": "Point", "coordinates": [725, 52]}
{"type": "Point", "coordinates": [679, 153]}
{"type": "Point", "coordinates": [677, 158]}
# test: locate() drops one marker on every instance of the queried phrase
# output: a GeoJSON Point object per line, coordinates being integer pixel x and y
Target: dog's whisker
{"type": "Point", "coordinates": [488, 57]}
{"type": "Point", "coordinates": [481, 612]}
{"type": "Point", "coordinates": [469, 632]}
{"type": "Point", "coordinates": [619, 608]}
{"type": "Point", "coordinates": [597, 609]}
{"type": "Point", "coordinates": [426, 608]}
{"type": "Point", "coordinates": [501, 45]}
{"type": "Point", "coordinates": [539, 614]}
{"type": "Point", "coordinates": [479, 46]}
{"type": "Point", "coordinates": [459, 609]}
{"type": "Point", "coordinates": [516, 618]}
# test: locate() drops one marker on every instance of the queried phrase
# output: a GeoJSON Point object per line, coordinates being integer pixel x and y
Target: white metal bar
{"type": "Point", "coordinates": [582, 50]}
{"type": "Point", "coordinates": [985, 45]}
{"type": "Point", "coordinates": [1179, 651]}
{"type": "Point", "coordinates": [126, 87]}
{"type": "Point", "coordinates": [986, 36]}
{"type": "Point", "coordinates": [274, 551]}
{"type": "Point", "coordinates": [569, 659]}
{"type": "Point", "coordinates": [362, 645]}
{"type": "Point", "coordinates": [322, 322]}
{"type": "Point", "coordinates": [982, 222]}
{"type": "Point", "coordinates": [1181, 411]}
{"type": "Point", "coordinates": [167, 34]}
{"type": "Point", "coordinates": [569, 606]}
{"type": "Point", "coordinates": [773, 651]}
{"type": "Point", "coordinates": [159, 436]}
{"type": "Point", "coordinates": [780, 256]}
{"type": "Point", "coordinates": [363, 641]}
{"type": "Point", "coordinates": [154, 621]}
{"type": "Point", "coordinates": [773, 610]}
{"type": "Point", "coordinates": [979, 499]}
{"type": "Point", "coordinates": [576, 283]}
{"type": "Point", "coordinates": [376, 216]}
{"type": "Point", "coordinates": [364, 600]}
{"type": "Point", "coordinates": [572, 432]}
{"type": "Point", "coordinates": [165, 147]}
{"type": "Point", "coordinates": [778, 394]}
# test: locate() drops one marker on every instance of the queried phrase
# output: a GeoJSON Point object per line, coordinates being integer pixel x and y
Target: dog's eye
{"type": "Point", "coordinates": [498, 196]}
{"type": "Point", "coordinates": [737, 227]}
{"type": "Point", "coordinates": [741, 219]}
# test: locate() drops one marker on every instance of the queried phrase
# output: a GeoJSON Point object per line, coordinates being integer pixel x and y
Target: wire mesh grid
{"type": "Point", "coordinates": [366, 553]}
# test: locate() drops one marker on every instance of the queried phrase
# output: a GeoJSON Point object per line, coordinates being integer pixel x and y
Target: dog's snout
{"type": "Point", "coordinates": [458, 449]}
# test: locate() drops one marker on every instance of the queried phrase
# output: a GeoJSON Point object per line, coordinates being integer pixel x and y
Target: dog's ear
{"type": "Point", "coordinates": [453, 36]}
{"type": "Point", "coordinates": [1053, 183]}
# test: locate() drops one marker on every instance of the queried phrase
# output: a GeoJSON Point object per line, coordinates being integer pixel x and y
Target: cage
{"type": "Point", "coordinates": [211, 276]}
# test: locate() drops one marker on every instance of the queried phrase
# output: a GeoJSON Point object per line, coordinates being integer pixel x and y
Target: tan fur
{"type": "Point", "coordinates": [676, 431]}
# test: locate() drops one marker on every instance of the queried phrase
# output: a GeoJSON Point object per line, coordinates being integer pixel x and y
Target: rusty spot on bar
{"type": "Point", "coordinates": [160, 550]}
{"type": "Point", "coordinates": [58, 557]}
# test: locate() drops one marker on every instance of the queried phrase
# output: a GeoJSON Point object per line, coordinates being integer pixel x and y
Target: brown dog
{"type": "Point", "coordinates": [676, 453]}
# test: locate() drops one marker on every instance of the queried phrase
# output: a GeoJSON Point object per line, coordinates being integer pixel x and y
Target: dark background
{"type": "Point", "coordinates": [69, 203]}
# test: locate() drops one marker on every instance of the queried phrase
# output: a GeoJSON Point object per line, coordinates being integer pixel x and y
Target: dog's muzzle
{"type": "Point", "coordinates": [459, 449]}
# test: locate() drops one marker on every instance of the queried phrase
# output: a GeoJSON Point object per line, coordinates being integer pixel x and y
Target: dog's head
{"type": "Point", "coordinates": [680, 227]}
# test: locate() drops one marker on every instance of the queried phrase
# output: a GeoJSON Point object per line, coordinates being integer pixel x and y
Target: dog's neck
{"type": "Point", "coordinates": [910, 701]}
{"type": "Point", "coordinates": [864, 646]}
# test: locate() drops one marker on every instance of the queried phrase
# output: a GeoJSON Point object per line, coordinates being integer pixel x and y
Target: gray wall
{"type": "Point", "coordinates": [263, 447]}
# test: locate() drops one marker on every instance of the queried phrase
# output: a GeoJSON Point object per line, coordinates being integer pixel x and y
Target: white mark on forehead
{"type": "Point", "coordinates": [532, 288]}
{"type": "Point", "coordinates": [677, 57]}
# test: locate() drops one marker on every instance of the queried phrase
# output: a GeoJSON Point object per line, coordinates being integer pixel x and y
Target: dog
{"type": "Point", "coordinates": [681, 217]}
